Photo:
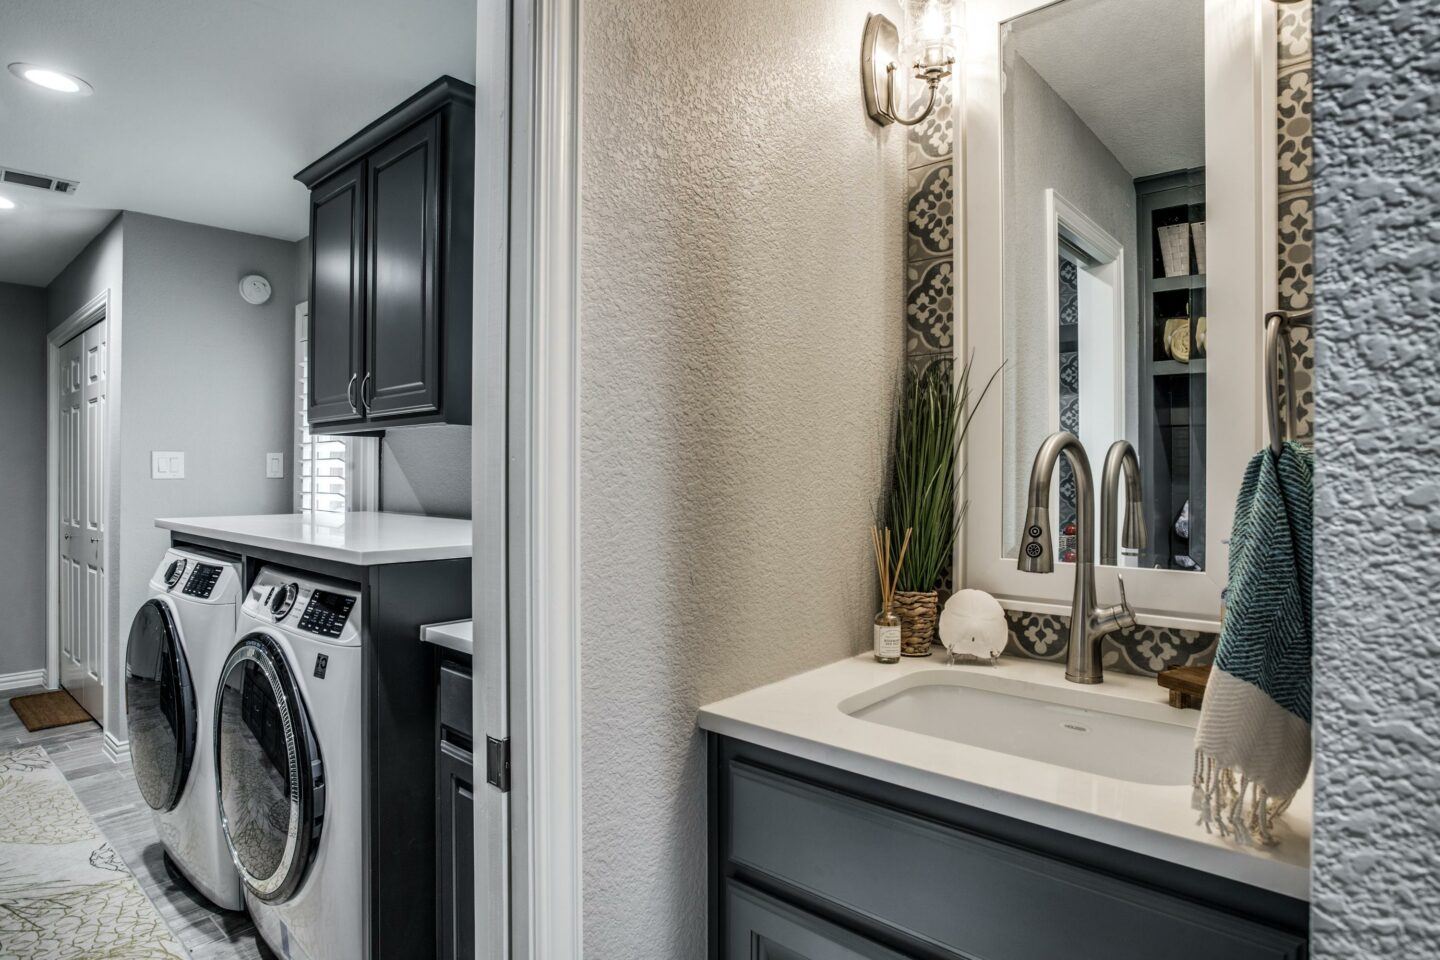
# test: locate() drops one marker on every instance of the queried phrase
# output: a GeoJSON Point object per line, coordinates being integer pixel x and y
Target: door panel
{"type": "Point", "coordinates": [402, 317]}
{"type": "Point", "coordinates": [82, 380]}
{"type": "Point", "coordinates": [759, 927]}
{"type": "Point", "coordinates": [336, 352]}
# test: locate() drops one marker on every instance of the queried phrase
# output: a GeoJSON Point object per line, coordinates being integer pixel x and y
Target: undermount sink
{"type": "Point", "coordinates": [1080, 738]}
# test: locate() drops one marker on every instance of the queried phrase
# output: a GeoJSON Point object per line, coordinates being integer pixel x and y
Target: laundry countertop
{"type": "Point", "coordinates": [457, 635]}
{"type": "Point", "coordinates": [361, 538]}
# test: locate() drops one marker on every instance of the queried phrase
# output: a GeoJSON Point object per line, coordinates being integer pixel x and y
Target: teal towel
{"type": "Point", "coordinates": [1252, 749]}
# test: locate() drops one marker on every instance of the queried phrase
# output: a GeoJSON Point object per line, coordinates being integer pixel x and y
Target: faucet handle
{"type": "Point", "coordinates": [1124, 613]}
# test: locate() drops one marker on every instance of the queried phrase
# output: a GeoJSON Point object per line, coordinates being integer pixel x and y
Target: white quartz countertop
{"type": "Point", "coordinates": [364, 539]}
{"type": "Point", "coordinates": [457, 635]}
{"type": "Point", "coordinates": [808, 715]}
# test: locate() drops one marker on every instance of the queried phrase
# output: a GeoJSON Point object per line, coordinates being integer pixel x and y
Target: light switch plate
{"type": "Point", "coordinates": [274, 466]}
{"type": "Point", "coordinates": [167, 465]}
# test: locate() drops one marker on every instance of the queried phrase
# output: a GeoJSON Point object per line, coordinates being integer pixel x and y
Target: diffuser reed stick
{"type": "Point", "coordinates": [887, 625]}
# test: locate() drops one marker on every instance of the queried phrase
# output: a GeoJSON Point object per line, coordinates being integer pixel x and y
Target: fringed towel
{"type": "Point", "coordinates": [1252, 749]}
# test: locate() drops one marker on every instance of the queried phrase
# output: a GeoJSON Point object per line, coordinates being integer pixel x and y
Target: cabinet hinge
{"type": "Point", "coordinates": [497, 763]}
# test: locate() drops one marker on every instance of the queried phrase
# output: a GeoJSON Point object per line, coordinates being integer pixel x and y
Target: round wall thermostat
{"type": "Point", "coordinates": [255, 289]}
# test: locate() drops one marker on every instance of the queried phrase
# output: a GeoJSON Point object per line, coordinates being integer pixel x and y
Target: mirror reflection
{"type": "Point", "coordinates": [1104, 260]}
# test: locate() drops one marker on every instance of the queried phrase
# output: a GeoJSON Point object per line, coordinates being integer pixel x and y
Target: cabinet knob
{"type": "Point", "coordinates": [350, 394]}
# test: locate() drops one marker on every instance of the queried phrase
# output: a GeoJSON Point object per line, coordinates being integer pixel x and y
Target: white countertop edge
{"type": "Point", "coordinates": [1224, 861]}
{"type": "Point", "coordinates": [352, 555]}
{"type": "Point", "coordinates": [457, 635]}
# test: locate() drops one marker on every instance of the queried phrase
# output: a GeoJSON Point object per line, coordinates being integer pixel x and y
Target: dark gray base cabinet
{"type": "Point", "coordinates": [391, 239]}
{"type": "Point", "coordinates": [455, 812]}
{"type": "Point", "coordinates": [812, 863]}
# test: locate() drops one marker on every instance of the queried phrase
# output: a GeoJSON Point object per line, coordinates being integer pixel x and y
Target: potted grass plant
{"type": "Point", "coordinates": [934, 416]}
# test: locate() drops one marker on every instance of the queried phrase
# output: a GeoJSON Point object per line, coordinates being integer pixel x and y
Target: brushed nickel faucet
{"type": "Point", "coordinates": [1088, 622]}
{"type": "Point", "coordinates": [1120, 456]}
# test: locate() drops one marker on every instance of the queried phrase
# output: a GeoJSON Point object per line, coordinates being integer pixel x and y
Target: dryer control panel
{"type": "Point", "coordinates": [305, 603]}
{"type": "Point", "coordinates": [197, 575]}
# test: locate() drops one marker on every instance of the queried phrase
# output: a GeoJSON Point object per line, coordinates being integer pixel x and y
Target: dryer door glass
{"type": "Point", "coordinates": [269, 771]}
{"type": "Point", "coordinates": [159, 705]}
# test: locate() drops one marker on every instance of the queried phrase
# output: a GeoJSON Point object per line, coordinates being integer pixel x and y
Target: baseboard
{"type": "Point", "coordinates": [117, 750]}
{"type": "Point", "coordinates": [25, 678]}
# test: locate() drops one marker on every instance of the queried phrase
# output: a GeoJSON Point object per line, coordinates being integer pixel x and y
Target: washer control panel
{"type": "Point", "coordinates": [197, 575]}
{"type": "Point", "coordinates": [203, 577]}
{"type": "Point", "coordinates": [307, 604]}
{"type": "Point", "coordinates": [326, 613]}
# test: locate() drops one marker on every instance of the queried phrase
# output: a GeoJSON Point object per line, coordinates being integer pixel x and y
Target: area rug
{"type": "Point", "coordinates": [64, 893]}
{"type": "Point", "coordinates": [41, 711]}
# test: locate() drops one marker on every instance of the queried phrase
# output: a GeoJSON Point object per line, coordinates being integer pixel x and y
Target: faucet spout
{"type": "Point", "coordinates": [1089, 623]}
{"type": "Point", "coordinates": [1120, 458]}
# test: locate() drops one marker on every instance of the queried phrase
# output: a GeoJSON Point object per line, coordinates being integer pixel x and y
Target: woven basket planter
{"type": "Point", "coordinates": [918, 613]}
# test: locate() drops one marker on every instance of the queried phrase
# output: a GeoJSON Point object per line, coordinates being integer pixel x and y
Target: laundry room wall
{"type": "Point", "coordinates": [22, 478]}
{"type": "Point", "coordinates": [197, 370]}
{"type": "Point", "coordinates": [423, 470]}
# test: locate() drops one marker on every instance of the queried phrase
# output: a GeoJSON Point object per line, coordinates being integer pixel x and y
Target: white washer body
{"type": "Point", "coordinates": [324, 917]}
{"type": "Point", "coordinates": [202, 600]}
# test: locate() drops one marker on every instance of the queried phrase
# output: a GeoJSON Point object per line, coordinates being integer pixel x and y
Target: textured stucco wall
{"type": "Point", "coordinates": [1377, 747]}
{"type": "Point", "coordinates": [742, 242]}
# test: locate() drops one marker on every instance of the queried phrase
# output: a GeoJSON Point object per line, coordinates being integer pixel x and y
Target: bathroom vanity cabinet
{"type": "Point", "coordinates": [391, 228]}
{"type": "Point", "coordinates": [808, 862]}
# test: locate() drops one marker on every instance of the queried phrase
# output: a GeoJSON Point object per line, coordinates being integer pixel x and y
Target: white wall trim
{"type": "Point", "coordinates": [545, 392]}
{"type": "Point", "coordinates": [25, 678]}
{"type": "Point", "coordinates": [98, 308]}
{"type": "Point", "coordinates": [118, 751]}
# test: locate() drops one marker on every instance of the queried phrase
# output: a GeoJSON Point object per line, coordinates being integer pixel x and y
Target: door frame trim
{"type": "Point", "coordinates": [526, 474]}
{"type": "Point", "coordinates": [98, 308]}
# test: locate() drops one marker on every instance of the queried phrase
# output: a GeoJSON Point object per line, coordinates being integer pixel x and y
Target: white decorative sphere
{"type": "Point", "coordinates": [973, 624]}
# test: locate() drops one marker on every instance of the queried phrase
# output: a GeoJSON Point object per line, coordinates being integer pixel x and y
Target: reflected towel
{"type": "Point", "coordinates": [1252, 748]}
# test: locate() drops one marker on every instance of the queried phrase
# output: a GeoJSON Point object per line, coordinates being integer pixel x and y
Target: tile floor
{"type": "Point", "coordinates": [110, 796]}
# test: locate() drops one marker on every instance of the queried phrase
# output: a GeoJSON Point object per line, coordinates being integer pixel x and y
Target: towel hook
{"type": "Point", "coordinates": [1276, 321]}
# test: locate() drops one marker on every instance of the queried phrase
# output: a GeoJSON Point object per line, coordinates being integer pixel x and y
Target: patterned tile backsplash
{"type": "Point", "coordinates": [1139, 650]}
{"type": "Point", "coordinates": [1296, 216]}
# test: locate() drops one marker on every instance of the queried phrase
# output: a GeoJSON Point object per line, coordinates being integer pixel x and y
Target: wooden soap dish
{"type": "Point", "coordinates": [1186, 685]}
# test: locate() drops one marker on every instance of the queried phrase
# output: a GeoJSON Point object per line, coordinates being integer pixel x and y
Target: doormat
{"type": "Point", "coordinates": [41, 711]}
{"type": "Point", "coordinates": [64, 891]}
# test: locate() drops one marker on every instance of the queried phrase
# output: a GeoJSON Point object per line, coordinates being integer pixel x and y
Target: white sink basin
{"type": "Point", "coordinates": [1108, 744]}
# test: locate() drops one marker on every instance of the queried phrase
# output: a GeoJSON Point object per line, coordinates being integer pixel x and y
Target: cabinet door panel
{"type": "Point", "coordinates": [762, 928]}
{"type": "Point", "coordinates": [402, 319]}
{"type": "Point", "coordinates": [456, 853]}
{"type": "Point", "coordinates": [336, 351]}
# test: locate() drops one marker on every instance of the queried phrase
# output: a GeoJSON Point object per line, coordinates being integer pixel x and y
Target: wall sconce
{"type": "Point", "coordinates": [879, 62]}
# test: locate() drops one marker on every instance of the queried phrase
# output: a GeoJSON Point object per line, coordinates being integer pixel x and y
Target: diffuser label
{"type": "Point", "coordinates": [887, 641]}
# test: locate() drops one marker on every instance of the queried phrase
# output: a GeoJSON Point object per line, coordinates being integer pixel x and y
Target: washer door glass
{"type": "Point", "coordinates": [268, 769]}
{"type": "Point", "coordinates": [159, 705]}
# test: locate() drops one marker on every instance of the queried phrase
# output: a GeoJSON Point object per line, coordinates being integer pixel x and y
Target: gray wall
{"type": "Point", "coordinates": [200, 371]}
{"type": "Point", "coordinates": [22, 478]}
{"type": "Point", "coordinates": [422, 469]}
{"type": "Point", "coordinates": [742, 239]}
{"type": "Point", "coordinates": [1377, 764]}
{"type": "Point", "coordinates": [1048, 146]}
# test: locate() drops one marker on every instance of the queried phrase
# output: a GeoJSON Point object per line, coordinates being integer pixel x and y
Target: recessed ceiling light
{"type": "Point", "coordinates": [51, 79]}
{"type": "Point", "coordinates": [6, 203]}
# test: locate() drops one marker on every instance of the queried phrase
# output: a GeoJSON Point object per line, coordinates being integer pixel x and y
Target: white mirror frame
{"type": "Point", "coordinates": [1240, 199]}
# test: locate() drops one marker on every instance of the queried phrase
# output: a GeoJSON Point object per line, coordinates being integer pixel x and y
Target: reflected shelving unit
{"type": "Point", "coordinates": [1172, 386]}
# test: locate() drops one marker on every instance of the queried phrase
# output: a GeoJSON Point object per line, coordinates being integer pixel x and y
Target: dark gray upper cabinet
{"type": "Point", "coordinates": [391, 225]}
{"type": "Point", "coordinates": [337, 236]}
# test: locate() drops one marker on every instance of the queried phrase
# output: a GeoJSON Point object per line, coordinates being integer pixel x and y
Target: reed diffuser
{"type": "Point", "coordinates": [887, 625]}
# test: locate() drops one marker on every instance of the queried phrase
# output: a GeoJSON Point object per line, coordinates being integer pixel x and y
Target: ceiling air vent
{"type": "Point", "coordinates": [38, 180]}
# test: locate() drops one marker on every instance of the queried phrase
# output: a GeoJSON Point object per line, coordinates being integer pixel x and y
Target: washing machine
{"type": "Point", "coordinates": [178, 641]}
{"type": "Point", "coordinates": [288, 740]}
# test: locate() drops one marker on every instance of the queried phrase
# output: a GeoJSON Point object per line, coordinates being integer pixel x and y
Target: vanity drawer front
{"type": "Point", "coordinates": [961, 892]}
{"type": "Point", "coordinates": [759, 927]}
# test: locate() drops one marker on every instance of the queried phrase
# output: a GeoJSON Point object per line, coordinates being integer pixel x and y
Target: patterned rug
{"type": "Point", "coordinates": [64, 893]}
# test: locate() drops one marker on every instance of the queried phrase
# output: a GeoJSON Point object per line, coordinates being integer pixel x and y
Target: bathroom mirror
{"type": "Point", "coordinates": [1103, 215]}
{"type": "Point", "coordinates": [1115, 210]}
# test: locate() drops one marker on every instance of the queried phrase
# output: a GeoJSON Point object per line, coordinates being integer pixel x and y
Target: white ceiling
{"type": "Point", "coordinates": [203, 109]}
{"type": "Point", "coordinates": [1132, 70]}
